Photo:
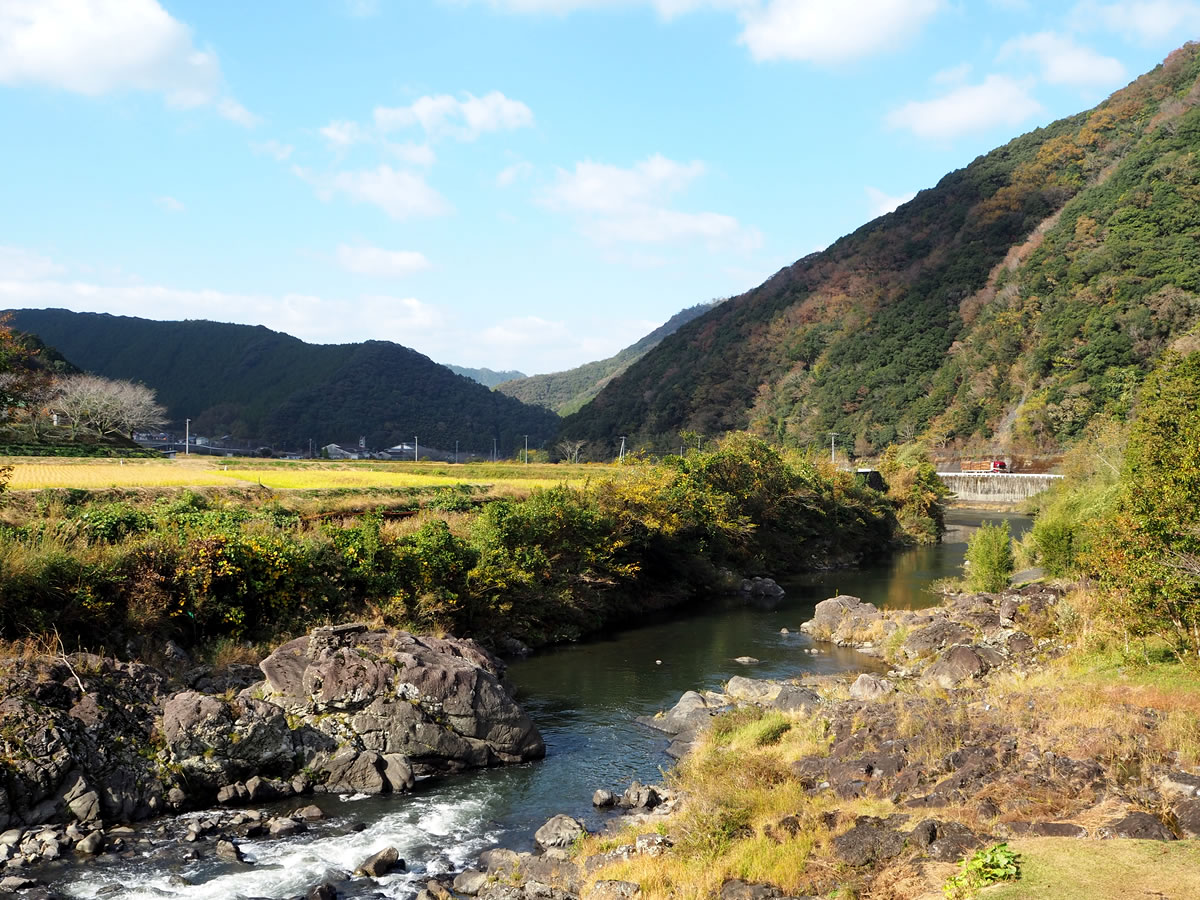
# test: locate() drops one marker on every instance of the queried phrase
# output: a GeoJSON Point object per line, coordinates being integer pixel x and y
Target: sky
{"type": "Point", "coordinates": [512, 184]}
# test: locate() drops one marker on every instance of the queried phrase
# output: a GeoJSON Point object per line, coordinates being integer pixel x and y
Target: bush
{"type": "Point", "coordinates": [989, 562]}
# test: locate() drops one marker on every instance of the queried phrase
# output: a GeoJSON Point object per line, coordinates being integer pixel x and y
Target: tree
{"type": "Point", "coordinates": [107, 407]}
{"type": "Point", "coordinates": [570, 449]}
{"type": "Point", "coordinates": [990, 558]}
{"type": "Point", "coordinates": [18, 375]}
{"type": "Point", "coordinates": [1147, 554]}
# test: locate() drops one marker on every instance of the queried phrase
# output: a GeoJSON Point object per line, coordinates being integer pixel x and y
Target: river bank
{"type": "Point", "coordinates": [991, 726]}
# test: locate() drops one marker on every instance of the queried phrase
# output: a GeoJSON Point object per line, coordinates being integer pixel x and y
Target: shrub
{"type": "Point", "coordinates": [990, 558]}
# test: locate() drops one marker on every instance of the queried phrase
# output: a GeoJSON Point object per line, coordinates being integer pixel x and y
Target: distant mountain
{"type": "Point", "coordinates": [1006, 307]}
{"type": "Point", "coordinates": [486, 377]}
{"type": "Point", "coordinates": [261, 385]}
{"type": "Point", "coordinates": [565, 392]}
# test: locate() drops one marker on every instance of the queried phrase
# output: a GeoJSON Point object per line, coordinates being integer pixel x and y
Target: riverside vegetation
{"type": "Point", "coordinates": [103, 568]}
{"type": "Point", "coordinates": [1043, 738]}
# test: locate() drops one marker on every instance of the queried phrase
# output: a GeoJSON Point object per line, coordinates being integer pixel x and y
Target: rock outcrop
{"type": "Point", "coordinates": [92, 740]}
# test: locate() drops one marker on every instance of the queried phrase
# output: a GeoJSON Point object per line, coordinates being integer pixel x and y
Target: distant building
{"type": "Point", "coordinates": [400, 451]}
{"type": "Point", "coordinates": [335, 451]}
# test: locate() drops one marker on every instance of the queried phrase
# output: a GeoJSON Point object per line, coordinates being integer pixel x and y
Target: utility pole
{"type": "Point", "coordinates": [416, 450]}
{"type": "Point", "coordinates": [832, 443]}
{"type": "Point", "coordinates": [621, 458]}
{"type": "Point", "coordinates": [187, 436]}
{"type": "Point", "coordinates": [456, 452]}
{"type": "Point", "coordinates": [310, 448]}
{"type": "Point", "coordinates": [493, 449]}
{"type": "Point", "coordinates": [526, 449]}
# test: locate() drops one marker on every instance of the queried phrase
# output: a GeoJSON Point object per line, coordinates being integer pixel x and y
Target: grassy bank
{"type": "Point", "coordinates": [505, 557]}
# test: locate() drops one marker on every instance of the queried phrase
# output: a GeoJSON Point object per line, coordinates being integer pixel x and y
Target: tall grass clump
{"type": "Point", "coordinates": [990, 560]}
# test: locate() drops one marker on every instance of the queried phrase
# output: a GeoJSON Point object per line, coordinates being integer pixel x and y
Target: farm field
{"type": "Point", "coordinates": [37, 473]}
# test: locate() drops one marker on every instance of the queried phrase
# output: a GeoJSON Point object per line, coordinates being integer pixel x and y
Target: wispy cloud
{"type": "Point", "coordinates": [464, 119]}
{"type": "Point", "coordinates": [366, 260]}
{"type": "Point", "coordinates": [629, 204]}
{"type": "Point", "coordinates": [881, 204]}
{"type": "Point", "coordinates": [998, 100]}
{"type": "Point", "coordinates": [1065, 62]}
{"type": "Point", "coordinates": [400, 194]}
{"type": "Point", "coordinates": [170, 204]}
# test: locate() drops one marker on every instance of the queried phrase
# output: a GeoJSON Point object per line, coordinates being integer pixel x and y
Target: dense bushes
{"type": "Point", "coordinates": [550, 567]}
{"type": "Point", "coordinates": [990, 558]}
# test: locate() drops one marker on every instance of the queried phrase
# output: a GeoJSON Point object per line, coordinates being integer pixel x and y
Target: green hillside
{"type": "Point", "coordinates": [565, 392]}
{"type": "Point", "coordinates": [1003, 308]}
{"type": "Point", "coordinates": [486, 377]}
{"type": "Point", "coordinates": [260, 385]}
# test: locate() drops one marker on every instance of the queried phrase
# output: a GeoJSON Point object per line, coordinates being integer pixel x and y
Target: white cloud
{"type": "Point", "coordinates": [511, 174]}
{"type": "Point", "coordinates": [1065, 62]}
{"type": "Point", "coordinates": [18, 264]}
{"type": "Point", "coordinates": [274, 149]}
{"type": "Point", "coordinates": [170, 204]}
{"type": "Point", "coordinates": [824, 32]}
{"type": "Point", "coordinates": [343, 134]}
{"type": "Point", "coordinates": [615, 204]}
{"type": "Point", "coordinates": [1147, 20]}
{"type": "Point", "coordinates": [999, 100]}
{"type": "Point", "coordinates": [524, 331]}
{"type": "Point", "coordinates": [230, 109]}
{"type": "Point", "coordinates": [400, 194]}
{"type": "Point", "coordinates": [953, 75]}
{"type": "Point", "coordinates": [466, 119]}
{"type": "Point", "coordinates": [597, 187]}
{"type": "Point", "coordinates": [882, 204]}
{"type": "Point", "coordinates": [412, 153]}
{"type": "Point", "coordinates": [102, 46]}
{"type": "Point", "coordinates": [364, 260]}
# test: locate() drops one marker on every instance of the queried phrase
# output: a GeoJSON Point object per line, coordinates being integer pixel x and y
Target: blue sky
{"type": "Point", "coordinates": [524, 184]}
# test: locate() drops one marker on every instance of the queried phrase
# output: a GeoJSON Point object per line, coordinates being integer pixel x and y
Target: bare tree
{"type": "Point", "coordinates": [107, 407]}
{"type": "Point", "coordinates": [569, 449]}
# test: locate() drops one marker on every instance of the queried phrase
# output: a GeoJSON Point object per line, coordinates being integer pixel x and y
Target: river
{"type": "Point", "coordinates": [584, 698]}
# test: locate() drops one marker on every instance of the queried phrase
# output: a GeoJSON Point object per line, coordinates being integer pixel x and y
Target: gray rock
{"type": "Point", "coordinates": [956, 665]}
{"type": "Point", "coordinates": [870, 687]}
{"type": "Point", "coordinates": [381, 863]}
{"type": "Point", "coordinates": [792, 698]}
{"type": "Point", "coordinates": [229, 851]}
{"type": "Point", "coordinates": [1187, 817]}
{"type": "Point", "coordinates": [1182, 783]}
{"type": "Point", "coordinates": [752, 690]}
{"type": "Point", "coordinates": [323, 891]}
{"type": "Point", "coordinates": [559, 831]}
{"type": "Point", "coordinates": [470, 882]}
{"type": "Point", "coordinates": [353, 772]}
{"type": "Point", "coordinates": [871, 840]}
{"type": "Point", "coordinates": [91, 844]}
{"type": "Point", "coordinates": [310, 812]}
{"type": "Point", "coordinates": [603, 799]}
{"type": "Point", "coordinates": [744, 890]}
{"type": "Point", "coordinates": [1138, 826]}
{"type": "Point", "coordinates": [611, 889]}
{"type": "Point", "coordinates": [640, 796]}
{"type": "Point", "coordinates": [691, 714]}
{"type": "Point", "coordinates": [841, 619]}
{"type": "Point", "coordinates": [282, 827]}
{"type": "Point", "coordinates": [935, 637]}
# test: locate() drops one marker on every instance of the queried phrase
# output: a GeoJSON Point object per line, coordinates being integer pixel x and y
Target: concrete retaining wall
{"type": "Point", "coordinates": [996, 487]}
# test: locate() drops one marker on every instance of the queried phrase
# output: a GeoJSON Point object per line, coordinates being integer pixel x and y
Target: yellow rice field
{"type": "Point", "coordinates": [32, 473]}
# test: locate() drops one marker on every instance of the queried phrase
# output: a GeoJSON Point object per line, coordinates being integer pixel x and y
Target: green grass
{"type": "Point", "coordinates": [1071, 869]}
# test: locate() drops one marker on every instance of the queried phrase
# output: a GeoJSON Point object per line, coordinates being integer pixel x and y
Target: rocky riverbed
{"type": "Point", "coordinates": [951, 767]}
{"type": "Point", "coordinates": [91, 745]}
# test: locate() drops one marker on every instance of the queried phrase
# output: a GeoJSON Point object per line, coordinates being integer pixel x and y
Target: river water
{"type": "Point", "coordinates": [584, 698]}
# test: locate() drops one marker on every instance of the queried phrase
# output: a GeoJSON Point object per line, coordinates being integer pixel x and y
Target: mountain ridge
{"type": "Point", "coordinates": [1011, 296]}
{"type": "Point", "coordinates": [263, 385]}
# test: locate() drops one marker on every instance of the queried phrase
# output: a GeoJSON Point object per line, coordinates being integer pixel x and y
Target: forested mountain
{"type": "Point", "coordinates": [1005, 307]}
{"type": "Point", "coordinates": [261, 385]}
{"type": "Point", "coordinates": [565, 392]}
{"type": "Point", "coordinates": [486, 377]}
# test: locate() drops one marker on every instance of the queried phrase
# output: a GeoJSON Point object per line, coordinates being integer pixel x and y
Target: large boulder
{"type": "Point", "coordinates": [956, 665]}
{"type": "Point", "coordinates": [438, 703]}
{"type": "Point", "coordinates": [560, 831]}
{"type": "Point", "coordinates": [843, 620]}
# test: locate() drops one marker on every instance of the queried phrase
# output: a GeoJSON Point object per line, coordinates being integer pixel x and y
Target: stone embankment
{"type": "Point", "coordinates": [90, 744]}
{"type": "Point", "coordinates": [952, 771]}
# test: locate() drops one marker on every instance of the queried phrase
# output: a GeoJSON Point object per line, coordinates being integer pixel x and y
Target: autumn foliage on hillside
{"type": "Point", "coordinates": [1004, 308]}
